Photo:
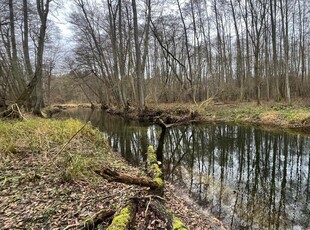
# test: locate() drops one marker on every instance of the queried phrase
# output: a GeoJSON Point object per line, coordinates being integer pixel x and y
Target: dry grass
{"type": "Point", "coordinates": [269, 113]}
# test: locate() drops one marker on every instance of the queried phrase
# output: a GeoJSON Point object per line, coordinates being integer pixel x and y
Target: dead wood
{"type": "Point", "coordinates": [98, 218]}
{"type": "Point", "coordinates": [94, 221]}
{"type": "Point", "coordinates": [114, 176]}
{"type": "Point", "coordinates": [124, 218]}
{"type": "Point", "coordinates": [163, 125]}
{"type": "Point", "coordinates": [12, 111]}
{"type": "Point", "coordinates": [156, 205]}
{"type": "Point", "coordinates": [152, 209]}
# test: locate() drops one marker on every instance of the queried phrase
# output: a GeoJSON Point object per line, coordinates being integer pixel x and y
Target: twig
{"type": "Point", "coordinates": [19, 112]}
{"type": "Point", "coordinates": [158, 197]}
{"type": "Point", "coordinates": [13, 108]}
{"type": "Point", "coordinates": [65, 145]}
{"type": "Point", "coordinates": [147, 206]}
{"type": "Point", "coordinates": [72, 226]}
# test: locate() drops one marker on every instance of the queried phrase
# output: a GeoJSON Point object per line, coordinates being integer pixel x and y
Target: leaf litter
{"type": "Point", "coordinates": [41, 188]}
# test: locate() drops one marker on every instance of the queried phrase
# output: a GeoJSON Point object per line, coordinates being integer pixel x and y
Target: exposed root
{"type": "Point", "coordinates": [12, 111]}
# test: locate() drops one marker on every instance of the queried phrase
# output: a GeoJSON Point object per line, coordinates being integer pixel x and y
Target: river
{"type": "Point", "coordinates": [247, 177]}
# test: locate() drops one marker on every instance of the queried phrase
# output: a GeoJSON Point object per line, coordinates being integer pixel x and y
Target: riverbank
{"type": "Point", "coordinates": [267, 115]}
{"type": "Point", "coordinates": [48, 179]}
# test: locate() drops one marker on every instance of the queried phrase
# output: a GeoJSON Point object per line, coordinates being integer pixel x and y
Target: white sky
{"type": "Point", "coordinates": [61, 19]}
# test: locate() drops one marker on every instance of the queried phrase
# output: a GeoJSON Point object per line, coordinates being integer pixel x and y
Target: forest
{"type": "Point", "coordinates": [214, 104]}
{"type": "Point", "coordinates": [131, 53]}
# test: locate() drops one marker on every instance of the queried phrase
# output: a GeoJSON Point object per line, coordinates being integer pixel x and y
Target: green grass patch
{"type": "Point", "coordinates": [42, 145]}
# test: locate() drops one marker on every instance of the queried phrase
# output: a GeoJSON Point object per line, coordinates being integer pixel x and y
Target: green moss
{"type": "Point", "coordinates": [159, 181]}
{"type": "Point", "coordinates": [122, 220]}
{"type": "Point", "coordinates": [151, 155]}
{"type": "Point", "coordinates": [177, 224]}
{"type": "Point", "coordinates": [155, 170]}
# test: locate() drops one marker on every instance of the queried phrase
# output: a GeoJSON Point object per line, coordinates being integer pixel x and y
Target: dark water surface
{"type": "Point", "coordinates": [247, 177]}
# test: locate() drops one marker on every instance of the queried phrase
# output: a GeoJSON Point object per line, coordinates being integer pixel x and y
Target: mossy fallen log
{"type": "Point", "coordinates": [158, 206]}
{"type": "Point", "coordinates": [154, 170]}
{"type": "Point", "coordinates": [154, 202]}
{"type": "Point", "coordinates": [123, 220]}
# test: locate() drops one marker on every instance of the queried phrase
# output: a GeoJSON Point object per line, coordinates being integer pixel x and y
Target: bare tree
{"type": "Point", "coordinates": [284, 15]}
{"type": "Point", "coordinates": [43, 10]}
{"type": "Point", "coordinates": [138, 57]}
{"type": "Point", "coordinates": [236, 49]}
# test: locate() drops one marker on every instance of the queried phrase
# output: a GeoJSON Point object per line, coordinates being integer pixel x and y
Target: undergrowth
{"type": "Point", "coordinates": [48, 146]}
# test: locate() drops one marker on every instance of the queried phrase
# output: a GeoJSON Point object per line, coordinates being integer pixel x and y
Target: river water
{"type": "Point", "coordinates": [247, 177]}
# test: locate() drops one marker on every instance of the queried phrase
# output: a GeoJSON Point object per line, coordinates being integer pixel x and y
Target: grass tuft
{"type": "Point", "coordinates": [39, 142]}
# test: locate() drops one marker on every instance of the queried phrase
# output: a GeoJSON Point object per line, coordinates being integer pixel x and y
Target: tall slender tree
{"type": "Point", "coordinates": [138, 68]}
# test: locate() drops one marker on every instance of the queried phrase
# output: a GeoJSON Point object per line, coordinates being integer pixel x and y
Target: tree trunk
{"type": "Point", "coordinates": [25, 41]}
{"type": "Point", "coordinates": [274, 48]}
{"type": "Point", "coordinates": [15, 67]}
{"type": "Point", "coordinates": [239, 71]}
{"type": "Point", "coordinates": [43, 10]}
{"type": "Point", "coordinates": [138, 68]}
{"type": "Point", "coordinates": [284, 15]}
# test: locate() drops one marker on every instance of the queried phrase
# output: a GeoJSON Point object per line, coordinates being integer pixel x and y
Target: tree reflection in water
{"type": "Point", "coordinates": [247, 177]}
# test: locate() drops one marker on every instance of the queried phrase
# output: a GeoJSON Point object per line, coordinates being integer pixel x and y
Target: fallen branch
{"type": "Point", "coordinates": [92, 222]}
{"type": "Point", "coordinates": [113, 176]}
{"type": "Point", "coordinates": [163, 125]}
{"type": "Point", "coordinates": [158, 208]}
{"type": "Point", "coordinates": [13, 111]}
{"type": "Point", "coordinates": [98, 218]}
{"type": "Point", "coordinates": [74, 135]}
